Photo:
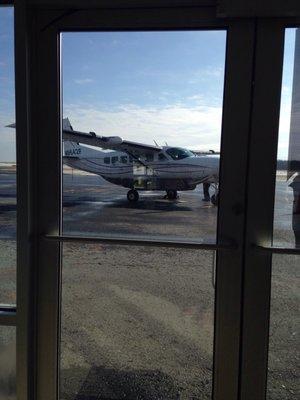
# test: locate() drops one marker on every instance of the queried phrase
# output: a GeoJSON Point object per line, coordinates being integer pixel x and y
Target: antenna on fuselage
{"type": "Point", "coordinates": [166, 144]}
{"type": "Point", "coordinates": [155, 143]}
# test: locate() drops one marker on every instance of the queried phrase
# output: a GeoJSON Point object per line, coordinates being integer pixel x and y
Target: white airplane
{"type": "Point", "coordinates": [139, 166]}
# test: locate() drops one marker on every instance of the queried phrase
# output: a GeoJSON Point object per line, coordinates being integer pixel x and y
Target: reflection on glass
{"type": "Point", "coordinates": [287, 199]}
{"type": "Point", "coordinates": [284, 351]}
{"type": "Point", "coordinates": [150, 105]}
{"type": "Point", "coordinates": [7, 160]}
{"type": "Point", "coordinates": [137, 323]}
{"type": "Point", "coordinates": [7, 363]}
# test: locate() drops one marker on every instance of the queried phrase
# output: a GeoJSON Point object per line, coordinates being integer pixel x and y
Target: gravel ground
{"type": "Point", "coordinates": [7, 363]}
{"type": "Point", "coordinates": [137, 319]}
{"type": "Point", "coordinates": [144, 320]}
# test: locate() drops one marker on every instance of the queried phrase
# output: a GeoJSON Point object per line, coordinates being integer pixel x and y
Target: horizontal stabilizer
{"type": "Point", "coordinates": [105, 142]}
{"type": "Point", "coordinates": [11, 125]}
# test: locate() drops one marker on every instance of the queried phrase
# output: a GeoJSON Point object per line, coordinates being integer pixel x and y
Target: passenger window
{"type": "Point", "coordinates": [114, 159]}
{"type": "Point", "coordinates": [124, 159]}
{"type": "Point", "coordinates": [162, 157]}
{"type": "Point", "coordinates": [149, 157]}
{"type": "Point", "coordinates": [106, 160]}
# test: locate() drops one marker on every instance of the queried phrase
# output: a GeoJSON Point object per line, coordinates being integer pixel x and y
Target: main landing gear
{"type": "Point", "coordinates": [133, 195]}
{"type": "Point", "coordinates": [172, 194]}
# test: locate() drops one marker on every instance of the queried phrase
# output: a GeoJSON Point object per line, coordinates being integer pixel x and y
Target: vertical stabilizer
{"type": "Point", "coordinates": [70, 149]}
{"type": "Point", "coordinates": [66, 124]}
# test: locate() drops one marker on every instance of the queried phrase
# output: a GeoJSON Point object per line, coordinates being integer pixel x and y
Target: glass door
{"type": "Point", "coordinates": [141, 217]}
{"type": "Point", "coordinates": [138, 321]}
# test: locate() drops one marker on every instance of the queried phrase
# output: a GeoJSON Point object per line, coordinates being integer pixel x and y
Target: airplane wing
{"type": "Point", "coordinates": [107, 142]}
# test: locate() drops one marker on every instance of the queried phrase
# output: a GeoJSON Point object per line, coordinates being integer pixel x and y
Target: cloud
{"type": "Point", "coordinates": [196, 97]}
{"type": "Point", "coordinates": [83, 81]}
{"type": "Point", "coordinates": [197, 127]}
{"type": "Point", "coordinates": [206, 74]}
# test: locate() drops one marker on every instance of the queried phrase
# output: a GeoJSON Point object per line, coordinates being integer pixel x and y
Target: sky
{"type": "Point", "coordinates": [7, 90]}
{"type": "Point", "coordinates": [146, 86]}
{"type": "Point", "coordinates": [142, 86]}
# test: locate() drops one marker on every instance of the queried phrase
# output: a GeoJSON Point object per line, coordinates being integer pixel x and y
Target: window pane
{"type": "Point", "coordinates": [7, 160]}
{"type": "Point", "coordinates": [287, 196]}
{"type": "Point", "coordinates": [142, 93]}
{"type": "Point", "coordinates": [7, 363]}
{"type": "Point", "coordinates": [284, 351]}
{"type": "Point", "coordinates": [137, 323]}
{"type": "Point", "coordinates": [283, 371]}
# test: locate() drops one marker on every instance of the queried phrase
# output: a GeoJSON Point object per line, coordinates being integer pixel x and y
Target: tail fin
{"type": "Point", "coordinates": [11, 125]}
{"type": "Point", "coordinates": [66, 124]}
{"type": "Point", "coordinates": [70, 149]}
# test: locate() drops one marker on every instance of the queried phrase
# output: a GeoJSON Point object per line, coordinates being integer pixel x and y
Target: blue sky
{"type": "Point", "coordinates": [144, 68]}
{"type": "Point", "coordinates": [7, 98]}
{"type": "Point", "coordinates": [142, 86]}
{"type": "Point", "coordinates": [146, 86]}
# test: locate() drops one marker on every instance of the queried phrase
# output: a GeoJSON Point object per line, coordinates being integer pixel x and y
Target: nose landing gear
{"type": "Point", "coordinates": [172, 194]}
{"type": "Point", "coordinates": [206, 191]}
{"type": "Point", "coordinates": [133, 195]}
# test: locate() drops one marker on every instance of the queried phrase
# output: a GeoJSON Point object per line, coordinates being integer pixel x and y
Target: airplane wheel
{"type": "Point", "coordinates": [172, 194]}
{"type": "Point", "coordinates": [133, 195]}
{"type": "Point", "coordinates": [214, 199]}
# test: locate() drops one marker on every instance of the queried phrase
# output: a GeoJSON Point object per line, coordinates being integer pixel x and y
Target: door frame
{"type": "Point", "coordinates": [240, 346]}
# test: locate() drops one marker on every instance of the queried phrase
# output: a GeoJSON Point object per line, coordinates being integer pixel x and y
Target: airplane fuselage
{"type": "Point", "coordinates": [159, 171]}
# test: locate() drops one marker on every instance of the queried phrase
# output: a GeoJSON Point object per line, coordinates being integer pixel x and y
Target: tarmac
{"type": "Point", "coordinates": [137, 322]}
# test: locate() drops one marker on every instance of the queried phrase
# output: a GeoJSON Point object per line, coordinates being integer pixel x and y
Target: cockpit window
{"type": "Point", "coordinates": [178, 153]}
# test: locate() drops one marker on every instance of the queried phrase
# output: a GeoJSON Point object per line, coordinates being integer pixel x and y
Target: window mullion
{"type": "Point", "coordinates": [260, 206]}
{"type": "Point", "coordinates": [231, 217]}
